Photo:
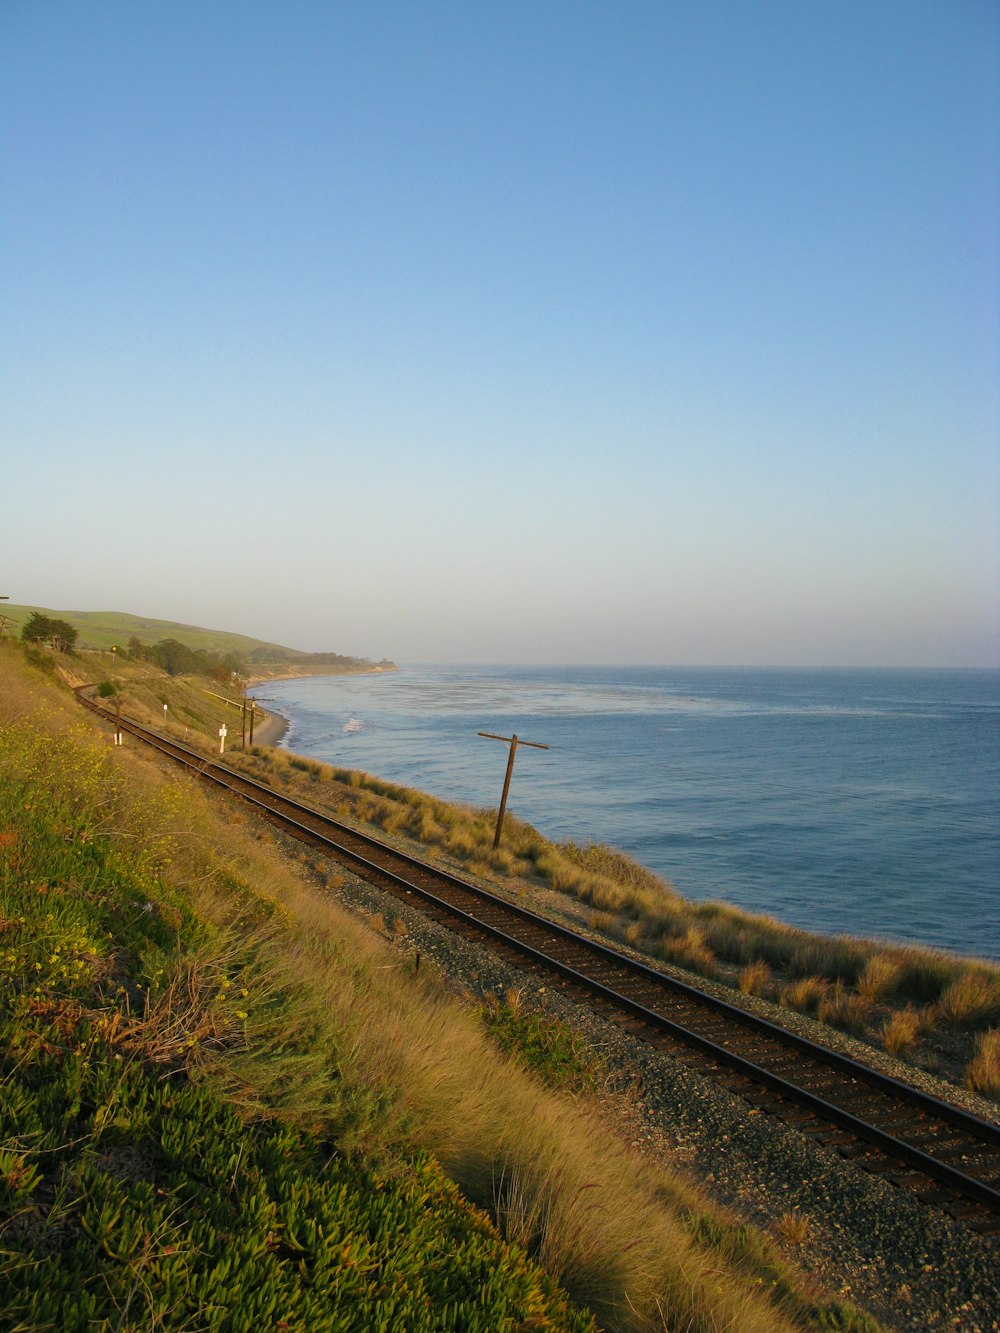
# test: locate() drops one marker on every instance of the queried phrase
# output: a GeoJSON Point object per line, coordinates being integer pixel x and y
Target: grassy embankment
{"type": "Point", "coordinates": [925, 1005]}
{"type": "Point", "coordinates": [921, 1005]}
{"type": "Point", "coordinates": [225, 1104]}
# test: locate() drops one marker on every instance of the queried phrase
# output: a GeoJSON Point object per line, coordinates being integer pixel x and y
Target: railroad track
{"type": "Point", "coordinates": [948, 1157]}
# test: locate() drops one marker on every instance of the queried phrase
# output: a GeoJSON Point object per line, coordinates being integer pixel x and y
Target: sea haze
{"type": "Point", "coordinates": [856, 801]}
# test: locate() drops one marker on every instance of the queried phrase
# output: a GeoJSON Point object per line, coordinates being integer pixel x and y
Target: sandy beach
{"type": "Point", "coordinates": [268, 728]}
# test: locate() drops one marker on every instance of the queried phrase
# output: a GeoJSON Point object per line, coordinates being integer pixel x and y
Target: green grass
{"type": "Point", "coordinates": [544, 1045]}
{"type": "Point", "coordinates": [103, 630]}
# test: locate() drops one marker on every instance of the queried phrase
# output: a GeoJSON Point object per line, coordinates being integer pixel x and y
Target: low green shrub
{"type": "Point", "coordinates": [544, 1045]}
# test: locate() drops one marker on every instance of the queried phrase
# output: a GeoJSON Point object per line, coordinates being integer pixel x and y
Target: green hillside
{"type": "Point", "coordinates": [103, 629]}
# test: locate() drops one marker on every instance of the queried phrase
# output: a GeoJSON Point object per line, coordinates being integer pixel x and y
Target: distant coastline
{"type": "Point", "coordinates": [287, 671]}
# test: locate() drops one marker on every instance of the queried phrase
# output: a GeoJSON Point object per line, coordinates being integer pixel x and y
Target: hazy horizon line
{"type": "Point", "coordinates": [701, 666]}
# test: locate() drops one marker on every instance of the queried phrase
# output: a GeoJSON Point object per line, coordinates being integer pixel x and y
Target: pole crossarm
{"type": "Point", "coordinates": [513, 742]}
{"type": "Point", "coordinates": [535, 745]}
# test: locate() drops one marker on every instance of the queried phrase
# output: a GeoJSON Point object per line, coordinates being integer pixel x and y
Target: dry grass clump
{"type": "Point", "coordinates": [503, 860]}
{"type": "Point", "coordinates": [730, 935]}
{"type": "Point", "coordinates": [185, 1013]}
{"type": "Point", "coordinates": [793, 1228]}
{"type": "Point", "coordinates": [460, 843]}
{"type": "Point", "coordinates": [394, 822]}
{"type": "Point", "coordinates": [971, 999]}
{"type": "Point", "coordinates": [901, 1030]}
{"type": "Point", "coordinates": [754, 978]}
{"type": "Point", "coordinates": [687, 950]}
{"type": "Point", "coordinates": [878, 977]}
{"type": "Point", "coordinates": [983, 1072]}
{"type": "Point", "coordinates": [615, 865]}
{"type": "Point", "coordinates": [846, 1011]}
{"type": "Point", "coordinates": [925, 973]}
{"type": "Point", "coordinates": [837, 958]}
{"type": "Point", "coordinates": [602, 922]}
{"type": "Point", "coordinates": [563, 873]}
{"type": "Point", "coordinates": [806, 995]}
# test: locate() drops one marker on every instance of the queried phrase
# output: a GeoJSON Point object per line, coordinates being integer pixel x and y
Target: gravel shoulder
{"type": "Point", "coordinates": [908, 1265]}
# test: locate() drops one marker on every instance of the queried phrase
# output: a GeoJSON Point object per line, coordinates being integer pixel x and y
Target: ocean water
{"type": "Point", "coordinates": [857, 801]}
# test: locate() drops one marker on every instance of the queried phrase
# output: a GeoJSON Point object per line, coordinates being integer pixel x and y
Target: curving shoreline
{"type": "Point", "coordinates": [270, 728]}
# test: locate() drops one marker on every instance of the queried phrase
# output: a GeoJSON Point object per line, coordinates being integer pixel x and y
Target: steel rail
{"type": "Point", "coordinates": [985, 1134]}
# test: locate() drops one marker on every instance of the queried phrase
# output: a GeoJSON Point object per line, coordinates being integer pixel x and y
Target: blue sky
{"type": "Point", "coordinates": [646, 332]}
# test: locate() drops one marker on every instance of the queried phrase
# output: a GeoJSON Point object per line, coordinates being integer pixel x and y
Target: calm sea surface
{"type": "Point", "coordinates": [858, 801]}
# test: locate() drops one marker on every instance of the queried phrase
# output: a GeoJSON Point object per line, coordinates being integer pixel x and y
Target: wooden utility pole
{"type": "Point", "coordinates": [253, 710]}
{"type": "Point", "coordinates": [513, 742]}
{"type": "Point", "coordinates": [244, 720]}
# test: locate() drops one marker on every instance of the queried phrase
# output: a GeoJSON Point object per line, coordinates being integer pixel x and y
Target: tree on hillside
{"type": "Point", "coordinates": [177, 659]}
{"type": "Point", "coordinates": [173, 657]}
{"type": "Point", "coordinates": [39, 628]}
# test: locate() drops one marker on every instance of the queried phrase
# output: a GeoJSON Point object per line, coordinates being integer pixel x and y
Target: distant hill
{"type": "Point", "coordinates": [104, 629]}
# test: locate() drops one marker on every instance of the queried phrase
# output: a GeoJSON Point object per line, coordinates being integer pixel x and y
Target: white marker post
{"type": "Point", "coordinates": [164, 714]}
{"type": "Point", "coordinates": [222, 738]}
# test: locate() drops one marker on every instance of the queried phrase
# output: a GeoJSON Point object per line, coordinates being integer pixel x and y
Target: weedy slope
{"type": "Point", "coordinates": [224, 1105]}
